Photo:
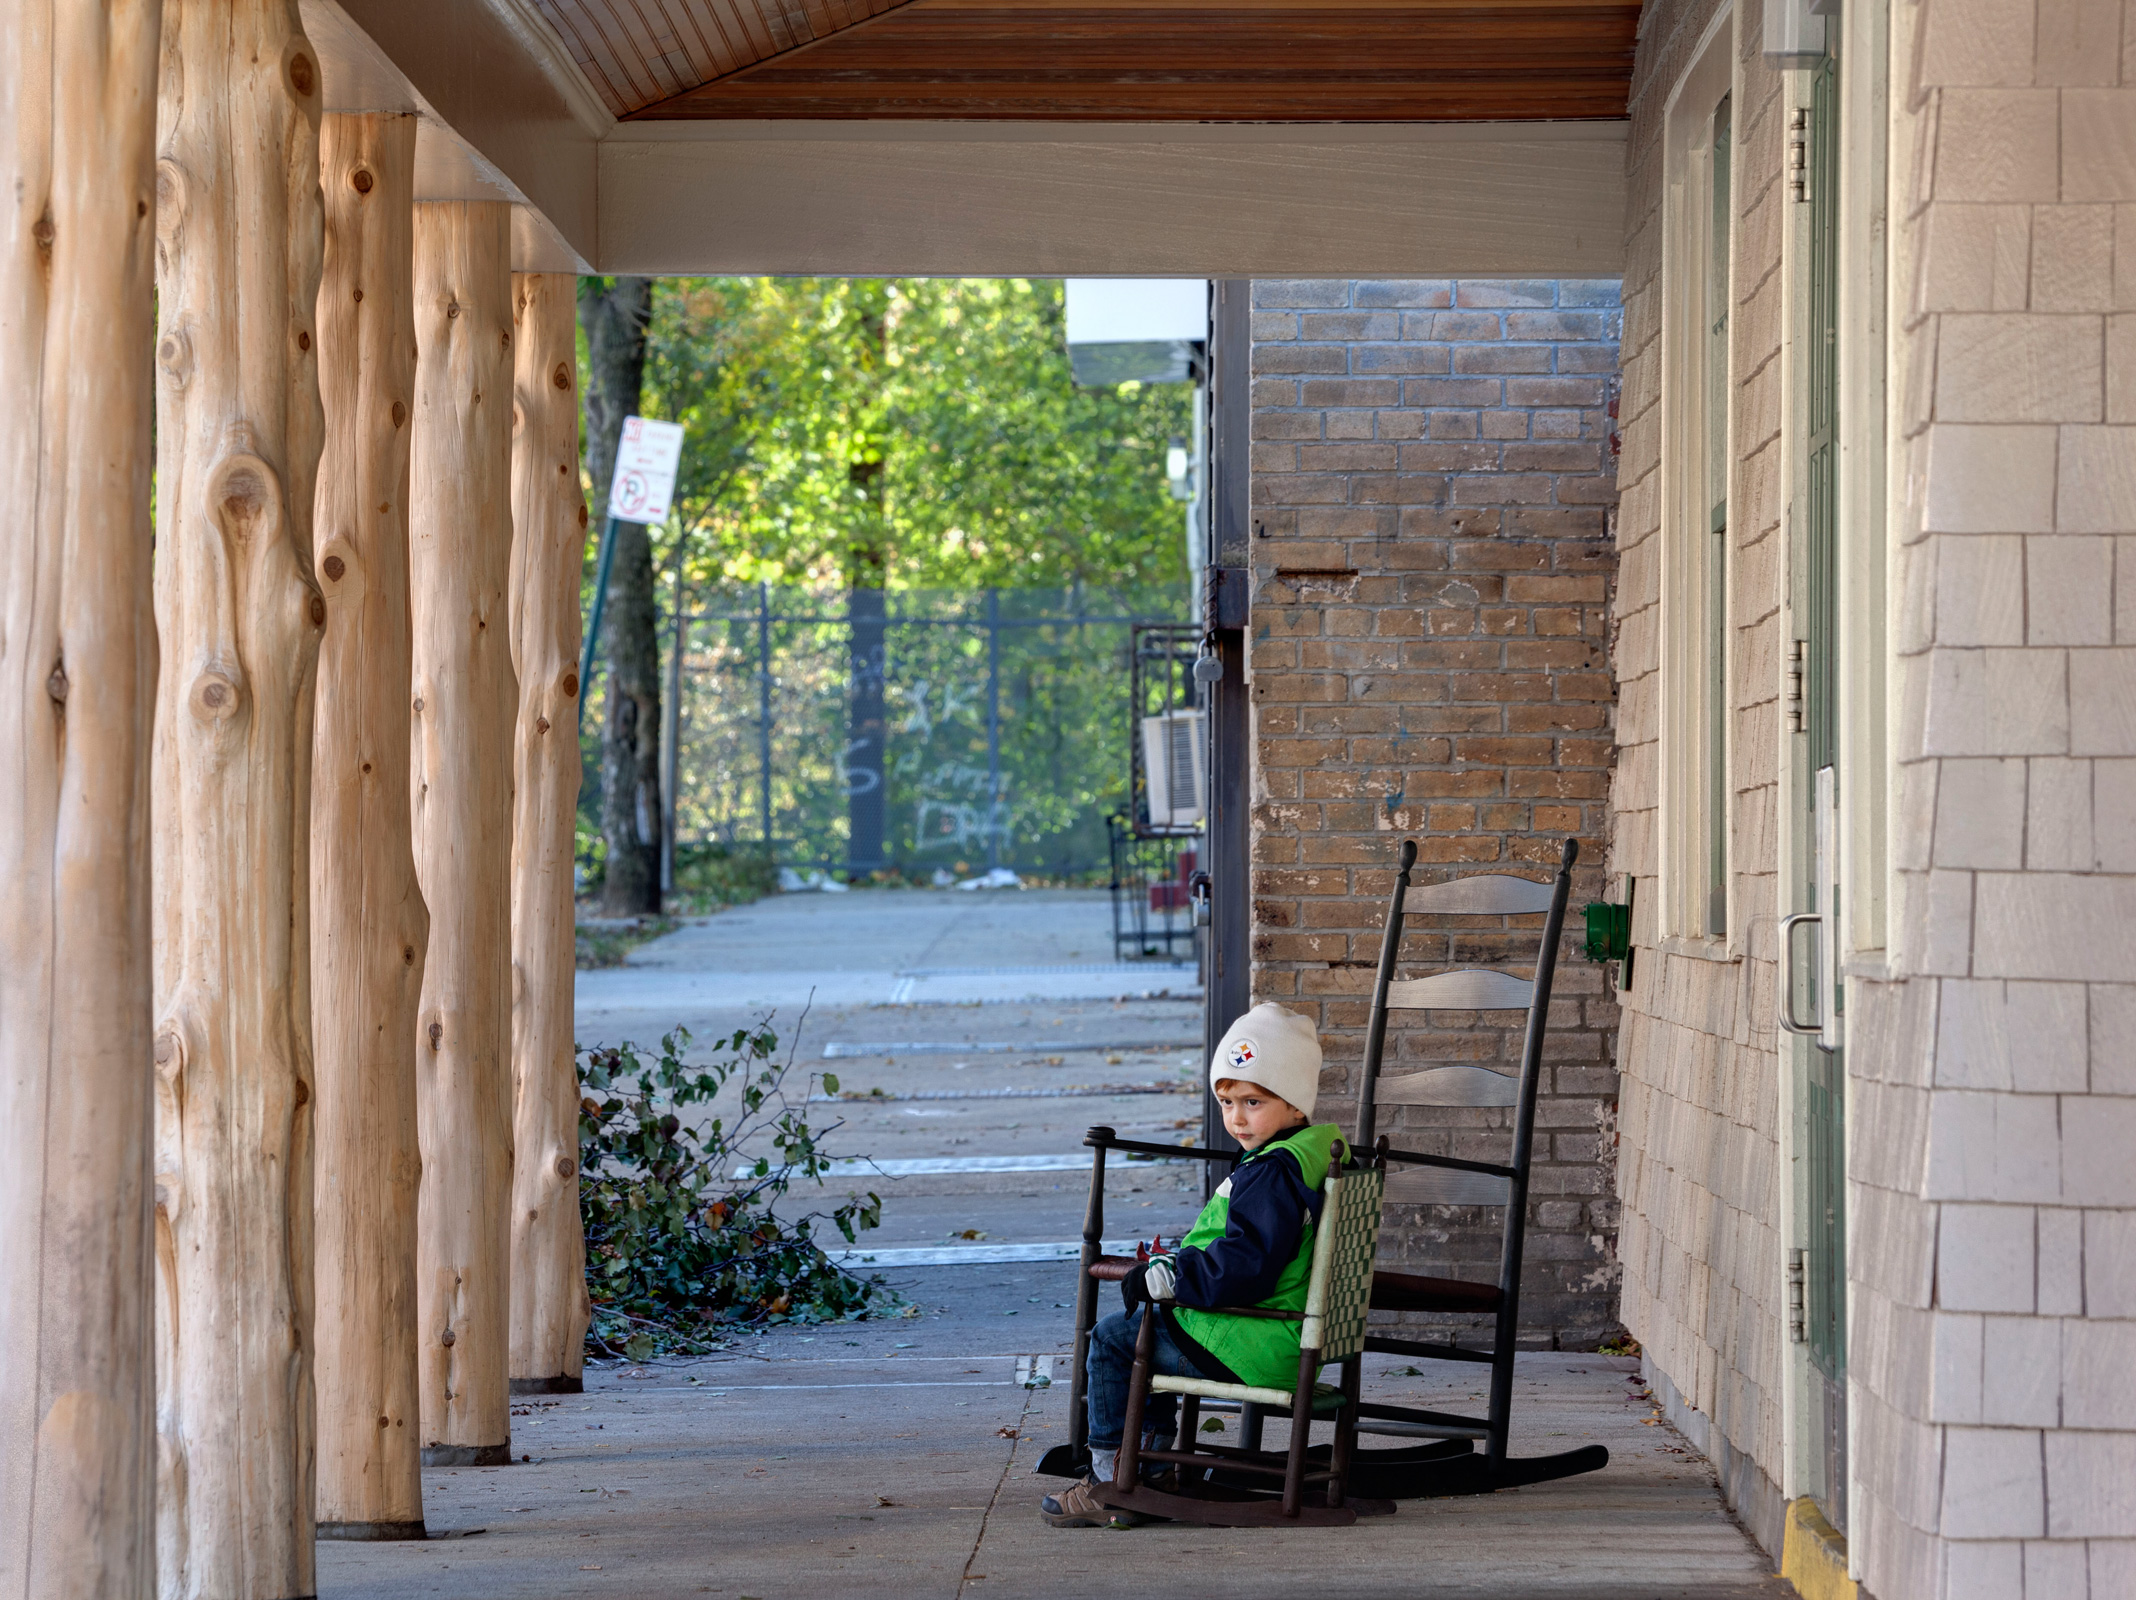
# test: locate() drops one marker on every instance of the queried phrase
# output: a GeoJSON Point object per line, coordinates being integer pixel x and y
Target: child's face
{"type": "Point", "coordinates": [1252, 1115]}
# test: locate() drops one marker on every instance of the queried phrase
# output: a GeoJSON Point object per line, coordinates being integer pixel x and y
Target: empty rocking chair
{"type": "Point", "coordinates": [1444, 1180]}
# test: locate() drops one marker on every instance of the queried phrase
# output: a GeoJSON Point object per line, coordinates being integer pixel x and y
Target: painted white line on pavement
{"type": "Point", "coordinates": [936, 1166]}
{"type": "Point", "coordinates": [840, 1049]}
{"type": "Point", "coordinates": [975, 1255]}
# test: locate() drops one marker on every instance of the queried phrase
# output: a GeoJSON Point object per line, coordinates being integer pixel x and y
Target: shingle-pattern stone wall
{"type": "Point", "coordinates": [1432, 473]}
{"type": "Point", "coordinates": [1994, 1078]}
{"type": "Point", "coordinates": [1699, 1165]}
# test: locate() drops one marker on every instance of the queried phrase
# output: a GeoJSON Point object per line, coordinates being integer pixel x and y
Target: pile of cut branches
{"type": "Point", "coordinates": [683, 1239]}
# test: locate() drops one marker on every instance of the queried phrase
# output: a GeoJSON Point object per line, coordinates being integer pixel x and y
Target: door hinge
{"type": "Point", "coordinates": [1798, 1331]}
{"type": "Point", "coordinates": [1798, 153]}
{"type": "Point", "coordinates": [1798, 652]}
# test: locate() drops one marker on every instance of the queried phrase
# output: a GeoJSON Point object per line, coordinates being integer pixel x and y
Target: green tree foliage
{"type": "Point", "coordinates": [913, 432]}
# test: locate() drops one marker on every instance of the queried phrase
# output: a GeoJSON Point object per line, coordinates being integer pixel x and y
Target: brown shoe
{"type": "Point", "coordinates": [1080, 1507]}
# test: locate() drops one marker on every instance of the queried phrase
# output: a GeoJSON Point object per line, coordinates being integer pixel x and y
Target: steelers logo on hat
{"type": "Point", "coordinates": [1242, 1052]}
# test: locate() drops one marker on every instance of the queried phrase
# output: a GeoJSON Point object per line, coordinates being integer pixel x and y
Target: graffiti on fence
{"type": "Point", "coordinates": [1003, 725]}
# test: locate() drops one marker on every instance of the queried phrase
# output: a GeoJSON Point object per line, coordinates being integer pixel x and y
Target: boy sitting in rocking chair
{"type": "Point", "coordinates": [1251, 1246]}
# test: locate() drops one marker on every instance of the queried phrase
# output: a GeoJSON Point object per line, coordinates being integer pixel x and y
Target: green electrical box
{"type": "Point", "coordinates": [1609, 933]}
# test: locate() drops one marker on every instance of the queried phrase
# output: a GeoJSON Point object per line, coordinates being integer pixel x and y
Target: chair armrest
{"type": "Point", "coordinates": [1112, 1269]}
{"type": "Point", "coordinates": [1195, 1152]}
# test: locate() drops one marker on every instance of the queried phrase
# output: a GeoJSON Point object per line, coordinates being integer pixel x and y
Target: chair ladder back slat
{"type": "Point", "coordinates": [1465, 989]}
{"type": "Point", "coordinates": [1451, 1086]}
{"type": "Point", "coordinates": [1442, 1186]}
{"type": "Point", "coordinates": [1487, 895]}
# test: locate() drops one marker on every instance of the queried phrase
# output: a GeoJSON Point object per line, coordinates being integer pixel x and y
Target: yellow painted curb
{"type": "Point", "coordinates": [1813, 1555]}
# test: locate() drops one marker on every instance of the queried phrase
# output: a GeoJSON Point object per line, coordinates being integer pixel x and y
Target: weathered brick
{"type": "Point", "coordinates": [1474, 709]}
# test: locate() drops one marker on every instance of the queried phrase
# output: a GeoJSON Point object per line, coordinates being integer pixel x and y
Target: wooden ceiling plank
{"type": "Point", "coordinates": [686, 21]}
{"type": "Point", "coordinates": [610, 35]}
{"type": "Point", "coordinates": [584, 41]}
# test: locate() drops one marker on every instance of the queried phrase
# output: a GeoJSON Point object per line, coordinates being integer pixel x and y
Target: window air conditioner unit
{"type": "Point", "coordinates": [1175, 758]}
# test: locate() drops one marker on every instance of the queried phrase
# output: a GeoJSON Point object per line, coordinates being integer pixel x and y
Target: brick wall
{"type": "Point", "coordinates": [1432, 478]}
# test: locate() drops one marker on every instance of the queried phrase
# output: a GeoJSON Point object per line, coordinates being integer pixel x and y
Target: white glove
{"type": "Point", "coordinates": [1158, 1279]}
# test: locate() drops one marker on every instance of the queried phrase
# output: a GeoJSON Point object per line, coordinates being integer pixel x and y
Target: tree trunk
{"type": "Point", "coordinates": [77, 686]}
{"type": "Point", "coordinates": [465, 697]}
{"type": "Point", "coordinates": [616, 313]}
{"type": "Point", "coordinates": [549, 1305]}
{"type": "Point", "coordinates": [368, 919]}
{"type": "Point", "coordinates": [238, 439]}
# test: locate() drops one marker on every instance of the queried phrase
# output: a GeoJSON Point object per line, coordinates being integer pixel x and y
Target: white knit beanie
{"type": "Point", "coordinates": [1274, 1047]}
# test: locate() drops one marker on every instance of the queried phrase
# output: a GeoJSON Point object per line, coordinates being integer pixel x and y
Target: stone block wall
{"type": "Point", "coordinates": [1433, 470]}
{"type": "Point", "coordinates": [1994, 1241]}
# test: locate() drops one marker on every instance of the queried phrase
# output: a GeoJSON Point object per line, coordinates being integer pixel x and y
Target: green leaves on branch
{"type": "Point", "coordinates": [914, 432]}
{"type": "Point", "coordinates": [678, 1247]}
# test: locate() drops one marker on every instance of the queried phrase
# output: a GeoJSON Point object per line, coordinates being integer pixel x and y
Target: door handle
{"type": "Point", "coordinates": [1788, 1024]}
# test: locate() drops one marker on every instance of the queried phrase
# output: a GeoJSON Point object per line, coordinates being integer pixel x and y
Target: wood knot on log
{"type": "Point", "coordinates": [44, 233]}
{"type": "Point", "coordinates": [561, 377]}
{"type": "Point", "coordinates": [541, 724]}
{"type": "Point", "coordinates": [582, 509]}
{"type": "Point", "coordinates": [303, 340]}
{"type": "Point", "coordinates": [318, 612]}
{"type": "Point", "coordinates": [566, 1167]}
{"type": "Point", "coordinates": [174, 354]}
{"type": "Point", "coordinates": [452, 309]}
{"type": "Point", "coordinates": [362, 182]}
{"type": "Point", "coordinates": [246, 495]}
{"type": "Point", "coordinates": [303, 1093]}
{"type": "Point", "coordinates": [303, 76]}
{"type": "Point", "coordinates": [214, 697]}
{"type": "Point", "coordinates": [437, 1034]}
{"type": "Point", "coordinates": [56, 684]}
{"type": "Point", "coordinates": [400, 413]}
{"type": "Point", "coordinates": [333, 567]}
{"type": "Point", "coordinates": [446, 1338]}
{"type": "Point", "coordinates": [570, 686]}
{"type": "Point", "coordinates": [171, 196]}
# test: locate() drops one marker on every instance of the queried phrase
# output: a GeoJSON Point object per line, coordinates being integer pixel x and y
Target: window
{"type": "Point", "coordinates": [1696, 697]}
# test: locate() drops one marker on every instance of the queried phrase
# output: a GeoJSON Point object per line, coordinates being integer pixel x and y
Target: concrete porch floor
{"type": "Point", "coordinates": [878, 1459]}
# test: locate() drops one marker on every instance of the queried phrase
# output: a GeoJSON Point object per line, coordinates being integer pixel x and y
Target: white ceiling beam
{"type": "Point", "coordinates": [1193, 200]}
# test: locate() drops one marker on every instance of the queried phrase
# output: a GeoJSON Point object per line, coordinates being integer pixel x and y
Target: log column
{"type": "Point", "coordinates": [550, 1309]}
{"type": "Point", "coordinates": [464, 702]}
{"type": "Point", "coordinates": [369, 926]}
{"type": "Point", "coordinates": [238, 438]}
{"type": "Point", "coordinates": [77, 687]}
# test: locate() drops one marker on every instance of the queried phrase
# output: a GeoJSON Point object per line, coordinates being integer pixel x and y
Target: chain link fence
{"type": "Point", "coordinates": [915, 732]}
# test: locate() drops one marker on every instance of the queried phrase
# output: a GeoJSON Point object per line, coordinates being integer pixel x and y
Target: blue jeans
{"type": "Point", "coordinates": [1112, 1362]}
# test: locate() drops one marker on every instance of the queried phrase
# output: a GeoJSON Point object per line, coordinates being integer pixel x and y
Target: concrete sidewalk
{"type": "Point", "coordinates": [895, 1458]}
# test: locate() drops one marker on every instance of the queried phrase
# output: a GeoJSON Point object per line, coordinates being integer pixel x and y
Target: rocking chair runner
{"type": "Point", "coordinates": [1332, 1331]}
{"type": "Point", "coordinates": [1444, 1180]}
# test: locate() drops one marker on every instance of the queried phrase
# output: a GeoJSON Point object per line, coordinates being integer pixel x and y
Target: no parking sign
{"type": "Point", "coordinates": [647, 457]}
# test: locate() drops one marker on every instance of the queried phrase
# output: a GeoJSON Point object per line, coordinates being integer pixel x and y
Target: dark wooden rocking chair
{"type": "Point", "coordinates": [1444, 1180]}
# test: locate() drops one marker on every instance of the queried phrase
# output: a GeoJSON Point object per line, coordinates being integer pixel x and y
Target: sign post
{"type": "Point", "coordinates": [647, 457]}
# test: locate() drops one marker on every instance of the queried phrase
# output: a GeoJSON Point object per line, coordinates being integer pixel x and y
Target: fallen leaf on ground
{"type": "Point", "coordinates": [1005, 1433]}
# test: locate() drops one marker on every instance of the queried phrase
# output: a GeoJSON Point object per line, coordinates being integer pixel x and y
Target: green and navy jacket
{"type": "Point", "coordinates": [1253, 1246]}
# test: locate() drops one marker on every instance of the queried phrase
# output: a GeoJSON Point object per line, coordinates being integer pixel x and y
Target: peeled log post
{"type": "Point", "coordinates": [369, 926]}
{"type": "Point", "coordinates": [238, 437]}
{"type": "Point", "coordinates": [465, 697]}
{"type": "Point", "coordinates": [77, 687]}
{"type": "Point", "coordinates": [549, 1305]}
